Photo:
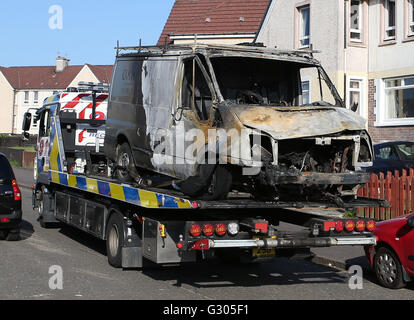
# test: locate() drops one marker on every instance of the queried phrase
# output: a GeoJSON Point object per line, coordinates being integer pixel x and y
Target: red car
{"type": "Point", "coordinates": [393, 257]}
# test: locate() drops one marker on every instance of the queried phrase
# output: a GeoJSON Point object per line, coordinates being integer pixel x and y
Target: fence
{"type": "Point", "coordinates": [397, 190]}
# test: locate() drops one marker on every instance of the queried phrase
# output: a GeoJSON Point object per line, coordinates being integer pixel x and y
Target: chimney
{"type": "Point", "coordinates": [61, 64]}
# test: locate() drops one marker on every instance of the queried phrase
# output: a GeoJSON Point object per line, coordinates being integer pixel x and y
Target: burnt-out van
{"type": "Point", "coordinates": [209, 119]}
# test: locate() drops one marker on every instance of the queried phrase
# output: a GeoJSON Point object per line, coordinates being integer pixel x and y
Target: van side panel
{"type": "Point", "coordinates": [126, 115]}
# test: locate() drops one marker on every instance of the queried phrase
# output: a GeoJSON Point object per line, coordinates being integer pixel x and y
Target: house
{"type": "Point", "coordinates": [214, 21]}
{"type": "Point", "coordinates": [22, 88]}
{"type": "Point", "coordinates": [365, 46]}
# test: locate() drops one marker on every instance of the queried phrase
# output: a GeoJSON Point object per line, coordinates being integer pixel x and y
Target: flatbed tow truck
{"type": "Point", "coordinates": [160, 225]}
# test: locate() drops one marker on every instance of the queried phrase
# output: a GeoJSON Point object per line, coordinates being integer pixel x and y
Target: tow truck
{"type": "Point", "coordinates": [74, 185]}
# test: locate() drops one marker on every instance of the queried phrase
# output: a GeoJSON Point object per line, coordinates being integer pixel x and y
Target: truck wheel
{"type": "Point", "coordinates": [388, 269]}
{"type": "Point", "coordinates": [115, 240]}
{"type": "Point", "coordinates": [125, 161]}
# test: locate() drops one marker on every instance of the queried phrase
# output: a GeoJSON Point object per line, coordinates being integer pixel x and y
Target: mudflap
{"type": "Point", "coordinates": [48, 214]}
{"type": "Point", "coordinates": [132, 257]}
{"type": "Point", "coordinates": [132, 250]}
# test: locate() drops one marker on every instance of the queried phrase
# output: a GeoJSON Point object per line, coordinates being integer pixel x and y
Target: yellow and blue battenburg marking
{"type": "Point", "coordinates": [140, 197]}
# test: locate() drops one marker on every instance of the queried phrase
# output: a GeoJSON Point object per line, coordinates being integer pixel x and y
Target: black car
{"type": "Point", "coordinates": [10, 202]}
{"type": "Point", "coordinates": [391, 156]}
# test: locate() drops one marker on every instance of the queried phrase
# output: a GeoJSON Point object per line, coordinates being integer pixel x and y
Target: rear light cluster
{"type": "Point", "coordinates": [16, 191]}
{"type": "Point", "coordinates": [208, 229]}
{"type": "Point", "coordinates": [349, 225]}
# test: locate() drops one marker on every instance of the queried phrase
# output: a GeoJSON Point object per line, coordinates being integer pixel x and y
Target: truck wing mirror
{"type": "Point", "coordinates": [27, 121]}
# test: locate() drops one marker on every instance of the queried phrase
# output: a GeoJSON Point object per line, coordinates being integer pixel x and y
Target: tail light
{"type": "Point", "coordinates": [221, 229]}
{"type": "Point", "coordinates": [349, 225]}
{"type": "Point", "coordinates": [360, 225]}
{"type": "Point", "coordinates": [370, 225]}
{"type": "Point", "coordinates": [208, 230]}
{"type": "Point", "coordinates": [195, 230]}
{"type": "Point", "coordinates": [233, 228]}
{"type": "Point", "coordinates": [339, 226]}
{"type": "Point", "coordinates": [16, 191]}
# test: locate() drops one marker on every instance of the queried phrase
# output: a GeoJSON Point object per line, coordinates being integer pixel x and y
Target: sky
{"type": "Point", "coordinates": [35, 32]}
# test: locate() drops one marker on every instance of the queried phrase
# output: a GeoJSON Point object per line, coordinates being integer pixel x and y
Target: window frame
{"type": "Point", "coordinates": [35, 96]}
{"type": "Point", "coordinates": [26, 96]}
{"type": "Point", "coordinates": [304, 80]}
{"type": "Point", "coordinates": [382, 120]}
{"type": "Point", "coordinates": [362, 94]}
{"type": "Point", "coordinates": [386, 28]}
{"type": "Point", "coordinates": [408, 20]}
{"type": "Point", "coordinates": [300, 36]}
{"type": "Point", "coordinates": [361, 22]}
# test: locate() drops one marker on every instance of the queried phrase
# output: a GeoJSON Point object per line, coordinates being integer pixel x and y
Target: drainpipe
{"type": "Point", "coordinates": [345, 46]}
{"type": "Point", "coordinates": [13, 111]}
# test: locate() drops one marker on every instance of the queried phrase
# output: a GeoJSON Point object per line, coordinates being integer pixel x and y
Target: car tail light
{"type": "Point", "coordinates": [221, 229]}
{"type": "Point", "coordinates": [195, 230]}
{"type": "Point", "coordinates": [360, 225]}
{"type": "Point", "coordinates": [16, 191]}
{"type": "Point", "coordinates": [339, 226]}
{"type": "Point", "coordinates": [349, 225]}
{"type": "Point", "coordinates": [208, 230]}
{"type": "Point", "coordinates": [4, 220]}
{"type": "Point", "coordinates": [370, 225]}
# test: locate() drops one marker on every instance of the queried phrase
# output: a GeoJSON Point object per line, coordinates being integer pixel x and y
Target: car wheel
{"type": "Point", "coordinates": [125, 162]}
{"type": "Point", "coordinates": [115, 240]}
{"type": "Point", "coordinates": [13, 235]}
{"type": "Point", "coordinates": [388, 269]}
{"type": "Point", "coordinates": [3, 234]}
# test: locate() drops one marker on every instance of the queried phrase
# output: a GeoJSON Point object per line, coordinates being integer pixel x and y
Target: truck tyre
{"type": "Point", "coordinates": [125, 162]}
{"type": "Point", "coordinates": [388, 269]}
{"type": "Point", "coordinates": [214, 183]}
{"type": "Point", "coordinates": [115, 240]}
{"type": "Point", "coordinates": [43, 205]}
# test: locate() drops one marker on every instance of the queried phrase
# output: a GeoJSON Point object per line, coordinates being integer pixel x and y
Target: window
{"type": "Point", "coordinates": [410, 17]}
{"type": "Point", "coordinates": [306, 92]}
{"type": "Point", "coordinates": [26, 97]}
{"type": "Point", "coordinates": [389, 19]}
{"type": "Point", "coordinates": [386, 153]}
{"type": "Point", "coordinates": [356, 21]}
{"type": "Point", "coordinates": [356, 96]}
{"type": "Point", "coordinates": [406, 151]}
{"type": "Point", "coordinates": [196, 92]}
{"type": "Point", "coordinates": [399, 98]}
{"type": "Point", "coordinates": [304, 27]}
{"type": "Point", "coordinates": [36, 97]}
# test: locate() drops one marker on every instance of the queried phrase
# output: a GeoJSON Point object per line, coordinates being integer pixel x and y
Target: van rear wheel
{"type": "Point", "coordinates": [125, 163]}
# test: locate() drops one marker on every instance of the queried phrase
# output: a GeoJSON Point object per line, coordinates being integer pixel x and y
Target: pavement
{"type": "Point", "coordinates": [341, 257]}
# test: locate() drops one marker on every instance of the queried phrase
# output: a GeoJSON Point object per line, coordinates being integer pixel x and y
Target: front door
{"type": "Point", "coordinates": [193, 118]}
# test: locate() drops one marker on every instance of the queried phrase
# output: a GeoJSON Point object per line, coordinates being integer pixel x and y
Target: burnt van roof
{"type": "Point", "coordinates": [212, 50]}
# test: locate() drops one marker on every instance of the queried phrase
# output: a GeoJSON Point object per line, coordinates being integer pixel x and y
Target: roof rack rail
{"type": "Point", "coordinates": [254, 48]}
